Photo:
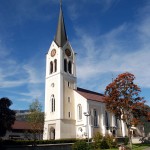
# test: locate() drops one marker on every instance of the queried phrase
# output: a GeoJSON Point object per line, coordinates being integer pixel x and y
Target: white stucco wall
{"type": "Point", "coordinates": [56, 84]}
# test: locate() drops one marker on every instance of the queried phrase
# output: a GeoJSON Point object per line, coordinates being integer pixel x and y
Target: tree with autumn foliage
{"type": "Point", "coordinates": [123, 100]}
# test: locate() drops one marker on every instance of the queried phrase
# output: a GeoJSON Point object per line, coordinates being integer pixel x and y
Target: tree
{"type": "Point", "coordinates": [36, 118]}
{"type": "Point", "coordinates": [7, 116]}
{"type": "Point", "coordinates": [123, 100]}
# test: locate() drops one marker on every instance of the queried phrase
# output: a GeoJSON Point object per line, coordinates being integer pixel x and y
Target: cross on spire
{"type": "Point", "coordinates": [60, 2]}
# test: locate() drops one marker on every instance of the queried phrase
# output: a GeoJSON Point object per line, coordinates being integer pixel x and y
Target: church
{"type": "Point", "coordinates": [70, 111]}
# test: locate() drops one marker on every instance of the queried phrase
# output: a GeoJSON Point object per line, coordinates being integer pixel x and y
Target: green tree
{"type": "Point", "coordinates": [122, 99]}
{"type": "Point", "coordinates": [7, 116]}
{"type": "Point", "coordinates": [36, 119]}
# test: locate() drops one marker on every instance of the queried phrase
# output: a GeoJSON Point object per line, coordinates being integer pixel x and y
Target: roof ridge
{"type": "Point", "coordinates": [89, 91]}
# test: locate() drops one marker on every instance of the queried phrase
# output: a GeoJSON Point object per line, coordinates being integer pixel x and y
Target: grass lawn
{"type": "Point", "coordinates": [140, 146]}
{"type": "Point", "coordinates": [136, 147]}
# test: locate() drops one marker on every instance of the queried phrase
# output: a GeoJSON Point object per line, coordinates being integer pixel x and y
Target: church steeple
{"type": "Point", "coordinates": [60, 83]}
{"type": "Point", "coordinates": [61, 36]}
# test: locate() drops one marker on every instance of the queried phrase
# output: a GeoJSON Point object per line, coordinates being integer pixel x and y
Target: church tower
{"type": "Point", "coordinates": [60, 81]}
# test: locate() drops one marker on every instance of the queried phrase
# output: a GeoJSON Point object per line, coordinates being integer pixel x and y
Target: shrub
{"type": "Point", "coordinates": [98, 137]}
{"type": "Point", "coordinates": [30, 142]}
{"type": "Point", "coordinates": [126, 140]}
{"type": "Point", "coordinates": [123, 140]}
{"type": "Point", "coordinates": [80, 145]}
{"type": "Point", "coordinates": [109, 140]}
{"type": "Point", "coordinates": [104, 144]}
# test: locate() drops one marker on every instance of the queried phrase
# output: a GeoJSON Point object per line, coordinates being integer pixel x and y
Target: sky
{"type": "Point", "coordinates": [109, 36]}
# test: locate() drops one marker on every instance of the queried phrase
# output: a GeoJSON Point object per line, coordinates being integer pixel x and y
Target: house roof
{"type": "Point", "coordinates": [90, 95]}
{"type": "Point", "coordinates": [23, 125]}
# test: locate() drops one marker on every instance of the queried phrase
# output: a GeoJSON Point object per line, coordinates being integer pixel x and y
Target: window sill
{"type": "Point", "coordinates": [79, 120]}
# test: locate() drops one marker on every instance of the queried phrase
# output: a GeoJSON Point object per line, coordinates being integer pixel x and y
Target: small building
{"type": "Point", "coordinates": [21, 129]}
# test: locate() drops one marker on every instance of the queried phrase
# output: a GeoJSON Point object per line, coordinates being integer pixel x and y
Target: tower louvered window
{"type": "Point", "coordinates": [51, 67]}
{"type": "Point", "coordinates": [65, 65]}
{"type": "Point", "coordinates": [70, 67]}
{"type": "Point", "coordinates": [55, 62]}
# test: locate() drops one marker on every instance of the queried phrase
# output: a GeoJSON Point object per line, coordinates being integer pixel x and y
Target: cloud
{"type": "Point", "coordinates": [123, 49]}
{"type": "Point", "coordinates": [80, 8]}
{"type": "Point", "coordinates": [33, 74]}
{"type": "Point", "coordinates": [107, 4]}
{"type": "Point", "coordinates": [21, 81]}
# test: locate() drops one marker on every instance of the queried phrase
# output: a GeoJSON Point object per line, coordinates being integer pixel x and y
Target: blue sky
{"type": "Point", "coordinates": [109, 36]}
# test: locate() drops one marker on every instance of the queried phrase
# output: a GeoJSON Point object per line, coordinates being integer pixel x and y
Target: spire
{"type": "Point", "coordinates": [61, 36]}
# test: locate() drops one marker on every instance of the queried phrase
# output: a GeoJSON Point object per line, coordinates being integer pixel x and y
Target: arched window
{"type": "Point", "coordinates": [55, 62]}
{"type": "Point", "coordinates": [79, 111]}
{"type": "Point", "coordinates": [52, 133]}
{"type": "Point", "coordinates": [106, 120]}
{"type": "Point", "coordinates": [116, 121]}
{"type": "Point", "coordinates": [65, 65]}
{"type": "Point", "coordinates": [51, 67]}
{"type": "Point", "coordinates": [70, 67]}
{"type": "Point", "coordinates": [52, 103]}
{"type": "Point", "coordinates": [95, 118]}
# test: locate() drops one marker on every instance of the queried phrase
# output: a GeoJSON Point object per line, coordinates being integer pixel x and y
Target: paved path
{"type": "Point", "coordinates": [148, 148]}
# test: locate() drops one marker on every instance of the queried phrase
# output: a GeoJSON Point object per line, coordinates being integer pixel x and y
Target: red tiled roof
{"type": "Point", "coordinates": [21, 125]}
{"type": "Point", "coordinates": [90, 95]}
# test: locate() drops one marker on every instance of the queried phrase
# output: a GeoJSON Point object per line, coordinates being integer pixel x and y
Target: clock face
{"type": "Point", "coordinates": [68, 52]}
{"type": "Point", "coordinates": [53, 52]}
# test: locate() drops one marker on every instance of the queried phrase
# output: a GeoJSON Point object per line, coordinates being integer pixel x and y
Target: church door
{"type": "Point", "coordinates": [52, 133]}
